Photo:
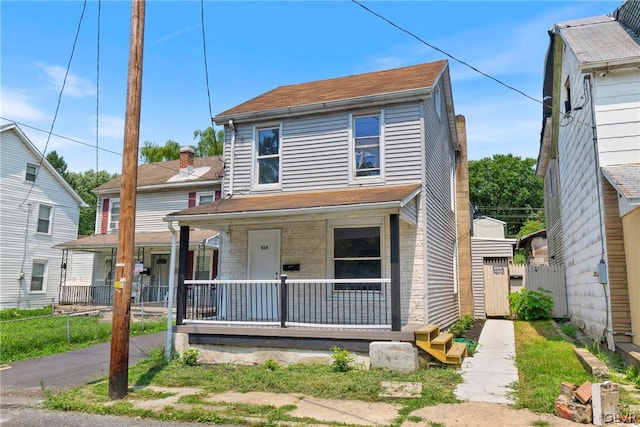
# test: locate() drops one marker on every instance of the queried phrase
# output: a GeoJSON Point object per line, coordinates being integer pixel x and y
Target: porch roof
{"type": "Point", "coordinates": [299, 203]}
{"type": "Point", "coordinates": [155, 239]}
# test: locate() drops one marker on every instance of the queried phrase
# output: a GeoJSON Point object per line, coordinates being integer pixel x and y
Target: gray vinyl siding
{"type": "Point", "coordinates": [442, 303]}
{"type": "Point", "coordinates": [151, 207]}
{"type": "Point", "coordinates": [20, 244]}
{"type": "Point", "coordinates": [410, 211]}
{"type": "Point", "coordinates": [484, 248]}
{"type": "Point", "coordinates": [402, 144]}
{"type": "Point", "coordinates": [553, 210]}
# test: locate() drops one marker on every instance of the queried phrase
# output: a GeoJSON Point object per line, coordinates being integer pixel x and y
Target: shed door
{"type": "Point", "coordinates": [264, 264]}
{"type": "Point", "coordinates": [496, 286]}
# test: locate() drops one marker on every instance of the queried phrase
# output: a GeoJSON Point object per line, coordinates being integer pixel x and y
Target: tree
{"type": "Point", "coordinates": [152, 152]}
{"type": "Point", "coordinates": [210, 143]}
{"type": "Point", "coordinates": [83, 183]}
{"type": "Point", "coordinates": [505, 187]}
{"type": "Point", "coordinates": [58, 163]}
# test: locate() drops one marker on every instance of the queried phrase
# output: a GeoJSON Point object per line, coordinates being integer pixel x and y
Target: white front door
{"type": "Point", "coordinates": [263, 264]}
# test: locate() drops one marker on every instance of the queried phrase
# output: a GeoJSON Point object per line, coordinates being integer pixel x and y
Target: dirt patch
{"type": "Point", "coordinates": [473, 333]}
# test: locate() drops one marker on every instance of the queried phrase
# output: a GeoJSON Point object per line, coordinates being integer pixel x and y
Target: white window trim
{"type": "Point", "coordinates": [353, 179]}
{"type": "Point", "coordinates": [111, 203]}
{"type": "Point", "coordinates": [50, 230]}
{"type": "Point", "coordinates": [254, 158]}
{"type": "Point", "coordinates": [35, 173]}
{"type": "Point", "coordinates": [45, 273]}
{"type": "Point", "coordinates": [352, 223]}
{"type": "Point", "coordinates": [205, 193]}
{"type": "Point", "coordinates": [437, 98]}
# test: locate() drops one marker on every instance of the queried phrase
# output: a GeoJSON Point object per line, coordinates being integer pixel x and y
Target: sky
{"type": "Point", "coordinates": [253, 47]}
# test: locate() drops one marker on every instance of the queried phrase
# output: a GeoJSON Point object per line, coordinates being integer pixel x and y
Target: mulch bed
{"type": "Point", "coordinates": [473, 333]}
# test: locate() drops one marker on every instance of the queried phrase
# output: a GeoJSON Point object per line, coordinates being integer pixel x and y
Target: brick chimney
{"type": "Point", "coordinates": [187, 155]}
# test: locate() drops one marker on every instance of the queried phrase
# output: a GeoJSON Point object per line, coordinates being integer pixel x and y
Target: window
{"type": "Point", "coordinates": [202, 198]}
{"type": "Point", "coordinates": [437, 98]}
{"type": "Point", "coordinates": [366, 146]}
{"type": "Point", "coordinates": [567, 102]}
{"type": "Point", "coordinates": [44, 219]}
{"type": "Point", "coordinates": [357, 255]}
{"type": "Point", "coordinates": [268, 156]}
{"type": "Point", "coordinates": [38, 276]}
{"type": "Point", "coordinates": [114, 214]}
{"type": "Point", "coordinates": [32, 172]}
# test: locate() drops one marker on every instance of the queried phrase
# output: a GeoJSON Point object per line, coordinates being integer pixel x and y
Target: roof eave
{"type": "Point", "coordinates": [298, 110]}
{"type": "Point", "coordinates": [613, 64]}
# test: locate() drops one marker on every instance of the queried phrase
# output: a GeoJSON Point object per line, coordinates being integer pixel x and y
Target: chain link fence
{"type": "Point", "coordinates": [67, 328]}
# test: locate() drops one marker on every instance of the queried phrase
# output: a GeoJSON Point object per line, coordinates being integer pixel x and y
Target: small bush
{"type": "Point", "coordinates": [190, 357]}
{"type": "Point", "coordinates": [341, 359]}
{"type": "Point", "coordinates": [569, 329]}
{"type": "Point", "coordinates": [271, 365]}
{"type": "Point", "coordinates": [461, 326]}
{"type": "Point", "coordinates": [531, 305]}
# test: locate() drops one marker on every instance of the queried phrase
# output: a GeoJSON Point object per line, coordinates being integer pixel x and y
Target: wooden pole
{"type": "Point", "coordinates": [119, 361]}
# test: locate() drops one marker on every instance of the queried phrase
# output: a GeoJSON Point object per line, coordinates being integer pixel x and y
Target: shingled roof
{"type": "Point", "coordinates": [207, 169]}
{"type": "Point", "coordinates": [396, 80]}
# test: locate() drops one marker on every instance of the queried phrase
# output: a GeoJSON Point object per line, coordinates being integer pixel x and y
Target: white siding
{"type": "Point", "coordinates": [402, 144]}
{"type": "Point", "coordinates": [617, 98]}
{"type": "Point", "coordinates": [442, 303]}
{"type": "Point", "coordinates": [79, 268]}
{"type": "Point", "coordinates": [151, 207]}
{"type": "Point", "coordinates": [582, 238]}
{"type": "Point", "coordinates": [20, 244]}
{"type": "Point", "coordinates": [485, 248]}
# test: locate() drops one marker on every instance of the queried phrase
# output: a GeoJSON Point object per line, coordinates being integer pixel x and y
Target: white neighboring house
{"type": "Point", "coordinates": [590, 161]}
{"type": "Point", "coordinates": [489, 227]}
{"type": "Point", "coordinates": [38, 210]}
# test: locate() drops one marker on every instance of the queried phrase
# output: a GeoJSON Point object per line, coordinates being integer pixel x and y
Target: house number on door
{"type": "Point", "coordinates": [264, 247]}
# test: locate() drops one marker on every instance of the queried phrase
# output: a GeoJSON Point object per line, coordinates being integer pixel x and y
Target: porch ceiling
{"type": "Point", "coordinates": [157, 239]}
{"type": "Point", "coordinates": [223, 211]}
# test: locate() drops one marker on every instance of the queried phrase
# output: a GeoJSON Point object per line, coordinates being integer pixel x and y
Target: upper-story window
{"type": "Point", "coordinates": [114, 214]}
{"type": "Point", "coordinates": [267, 156]}
{"type": "Point", "coordinates": [567, 101]}
{"type": "Point", "coordinates": [44, 219]}
{"type": "Point", "coordinates": [205, 197]}
{"type": "Point", "coordinates": [367, 146]}
{"type": "Point", "coordinates": [32, 172]}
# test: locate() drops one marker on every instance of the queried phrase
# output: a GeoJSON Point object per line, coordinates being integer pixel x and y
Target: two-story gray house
{"type": "Point", "coordinates": [348, 188]}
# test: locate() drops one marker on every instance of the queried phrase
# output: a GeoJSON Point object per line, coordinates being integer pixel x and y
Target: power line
{"type": "Point", "coordinates": [206, 67]}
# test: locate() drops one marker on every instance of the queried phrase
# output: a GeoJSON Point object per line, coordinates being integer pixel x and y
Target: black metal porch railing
{"type": "Point", "coordinates": [103, 294]}
{"type": "Point", "coordinates": [347, 303]}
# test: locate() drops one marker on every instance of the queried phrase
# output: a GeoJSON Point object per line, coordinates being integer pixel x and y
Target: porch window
{"type": "Point", "coordinates": [114, 214]}
{"type": "Point", "coordinates": [32, 172]}
{"type": "Point", "coordinates": [38, 275]}
{"type": "Point", "coordinates": [44, 219]}
{"type": "Point", "coordinates": [366, 146]}
{"type": "Point", "coordinates": [356, 255]}
{"type": "Point", "coordinates": [267, 158]}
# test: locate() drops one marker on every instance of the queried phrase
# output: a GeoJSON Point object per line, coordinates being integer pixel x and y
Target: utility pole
{"type": "Point", "coordinates": [119, 360]}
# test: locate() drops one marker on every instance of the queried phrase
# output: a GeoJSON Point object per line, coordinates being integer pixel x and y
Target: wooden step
{"type": "Point", "coordinates": [442, 342]}
{"type": "Point", "coordinates": [456, 353]}
{"type": "Point", "coordinates": [427, 333]}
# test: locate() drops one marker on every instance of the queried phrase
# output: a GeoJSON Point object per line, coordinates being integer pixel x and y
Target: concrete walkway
{"type": "Point", "coordinates": [488, 375]}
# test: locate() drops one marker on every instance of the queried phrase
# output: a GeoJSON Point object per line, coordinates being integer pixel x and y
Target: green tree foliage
{"type": "Point", "coordinates": [209, 143]}
{"type": "Point", "coordinates": [505, 187]}
{"type": "Point", "coordinates": [58, 163]}
{"type": "Point", "coordinates": [530, 226]}
{"type": "Point", "coordinates": [152, 152]}
{"type": "Point", "coordinates": [83, 183]}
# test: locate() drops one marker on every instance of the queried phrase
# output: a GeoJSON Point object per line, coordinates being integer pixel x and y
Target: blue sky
{"type": "Point", "coordinates": [253, 47]}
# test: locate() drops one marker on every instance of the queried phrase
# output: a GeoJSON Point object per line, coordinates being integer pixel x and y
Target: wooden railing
{"type": "Point", "coordinates": [345, 303]}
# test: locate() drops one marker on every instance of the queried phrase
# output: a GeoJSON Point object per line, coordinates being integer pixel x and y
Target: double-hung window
{"type": "Point", "coordinates": [114, 214]}
{"type": "Point", "coordinates": [44, 219]}
{"type": "Point", "coordinates": [357, 255]}
{"type": "Point", "coordinates": [38, 276]}
{"type": "Point", "coordinates": [32, 172]}
{"type": "Point", "coordinates": [366, 146]}
{"type": "Point", "coordinates": [267, 156]}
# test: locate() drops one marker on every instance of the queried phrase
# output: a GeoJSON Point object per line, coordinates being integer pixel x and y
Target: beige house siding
{"type": "Point", "coordinates": [631, 230]}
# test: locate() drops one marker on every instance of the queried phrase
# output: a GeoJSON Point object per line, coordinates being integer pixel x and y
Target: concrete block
{"type": "Point", "coordinates": [394, 356]}
{"type": "Point", "coordinates": [606, 397]}
{"type": "Point", "coordinates": [180, 342]}
{"type": "Point", "coordinates": [591, 363]}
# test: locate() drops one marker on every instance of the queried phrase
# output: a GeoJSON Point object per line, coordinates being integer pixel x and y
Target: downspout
{"type": "Point", "coordinates": [602, 265]}
{"type": "Point", "coordinates": [172, 268]}
{"type": "Point", "coordinates": [232, 156]}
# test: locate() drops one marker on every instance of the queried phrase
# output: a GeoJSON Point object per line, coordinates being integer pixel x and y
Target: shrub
{"type": "Point", "coordinates": [341, 359]}
{"type": "Point", "coordinates": [461, 326]}
{"type": "Point", "coordinates": [531, 305]}
{"type": "Point", "coordinates": [190, 357]}
{"type": "Point", "coordinates": [271, 365]}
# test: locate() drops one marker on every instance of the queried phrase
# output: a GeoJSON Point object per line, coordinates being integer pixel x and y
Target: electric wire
{"type": "Point", "coordinates": [206, 67]}
{"type": "Point", "coordinates": [55, 115]}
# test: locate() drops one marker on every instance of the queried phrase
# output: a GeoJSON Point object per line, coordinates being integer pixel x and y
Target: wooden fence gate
{"type": "Point", "coordinates": [496, 286]}
{"type": "Point", "coordinates": [550, 277]}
